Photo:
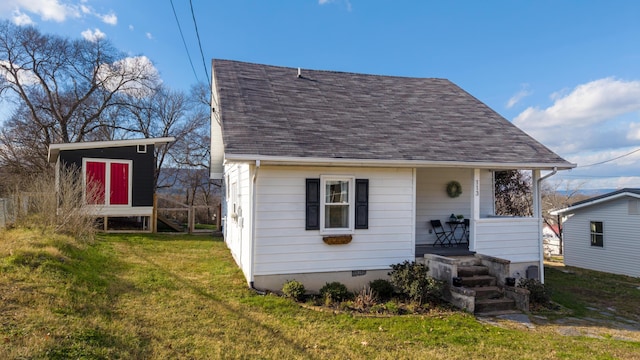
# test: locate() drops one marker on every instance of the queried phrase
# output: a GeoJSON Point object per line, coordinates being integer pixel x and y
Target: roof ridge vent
{"type": "Point", "coordinates": [299, 72]}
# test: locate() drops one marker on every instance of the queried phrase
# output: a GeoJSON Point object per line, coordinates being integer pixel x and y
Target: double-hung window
{"type": "Point", "coordinates": [597, 234]}
{"type": "Point", "coordinates": [336, 194]}
{"type": "Point", "coordinates": [337, 204]}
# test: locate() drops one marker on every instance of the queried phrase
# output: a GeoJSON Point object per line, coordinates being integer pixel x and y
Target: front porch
{"type": "Point", "coordinates": [455, 250]}
{"type": "Point", "coordinates": [517, 239]}
{"type": "Point", "coordinates": [514, 239]}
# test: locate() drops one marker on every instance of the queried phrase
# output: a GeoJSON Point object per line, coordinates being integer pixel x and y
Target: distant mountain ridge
{"type": "Point", "coordinates": [588, 192]}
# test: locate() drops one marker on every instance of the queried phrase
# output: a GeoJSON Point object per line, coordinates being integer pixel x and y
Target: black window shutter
{"type": "Point", "coordinates": [362, 204]}
{"type": "Point", "coordinates": [312, 205]}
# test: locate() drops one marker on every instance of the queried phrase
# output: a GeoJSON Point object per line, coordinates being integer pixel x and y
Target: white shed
{"type": "Point", "coordinates": [603, 233]}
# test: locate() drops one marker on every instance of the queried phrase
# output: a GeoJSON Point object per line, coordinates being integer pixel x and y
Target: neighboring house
{"type": "Point", "coordinates": [603, 233]}
{"type": "Point", "coordinates": [119, 174]}
{"type": "Point", "coordinates": [333, 176]}
{"type": "Point", "coordinates": [551, 240]}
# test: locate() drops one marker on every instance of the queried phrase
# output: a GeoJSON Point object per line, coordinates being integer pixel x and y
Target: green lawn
{"type": "Point", "coordinates": [172, 297]}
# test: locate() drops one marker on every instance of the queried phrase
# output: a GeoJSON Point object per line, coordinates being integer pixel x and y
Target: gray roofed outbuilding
{"type": "Point", "coordinates": [270, 111]}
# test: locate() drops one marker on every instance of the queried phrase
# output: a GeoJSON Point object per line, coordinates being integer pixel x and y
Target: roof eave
{"type": "Point", "coordinates": [54, 149]}
{"type": "Point", "coordinates": [299, 161]}
{"type": "Point", "coordinates": [594, 202]}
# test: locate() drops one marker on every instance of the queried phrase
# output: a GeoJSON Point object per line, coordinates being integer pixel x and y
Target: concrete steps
{"type": "Point", "coordinates": [471, 270]}
{"type": "Point", "coordinates": [489, 298]}
{"type": "Point", "coordinates": [478, 280]}
{"type": "Point", "coordinates": [492, 305]}
{"type": "Point", "coordinates": [488, 292]}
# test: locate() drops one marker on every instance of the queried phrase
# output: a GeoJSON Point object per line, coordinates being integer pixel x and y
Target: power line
{"type": "Point", "coordinates": [610, 160]}
{"type": "Point", "coordinates": [204, 64]}
{"type": "Point", "coordinates": [183, 41]}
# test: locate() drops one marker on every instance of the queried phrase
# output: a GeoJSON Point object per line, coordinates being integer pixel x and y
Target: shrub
{"type": "Point", "coordinates": [411, 279]}
{"type": "Point", "coordinates": [393, 308]}
{"type": "Point", "coordinates": [334, 292]}
{"type": "Point", "coordinates": [366, 298]}
{"type": "Point", "coordinates": [382, 288]}
{"type": "Point", "coordinates": [537, 292]}
{"type": "Point", "coordinates": [294, 289]}
{"type": "Point", "coordinates": [57, 205]}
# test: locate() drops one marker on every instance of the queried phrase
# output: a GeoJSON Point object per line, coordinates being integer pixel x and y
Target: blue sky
{"type": "Point", "coordinates": [567, 72]}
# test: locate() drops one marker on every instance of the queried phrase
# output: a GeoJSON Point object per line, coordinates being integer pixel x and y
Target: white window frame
{"type": "Point", "coordinates": [107, 181]}
{"type": "Point", "coordinates": [351, 203]}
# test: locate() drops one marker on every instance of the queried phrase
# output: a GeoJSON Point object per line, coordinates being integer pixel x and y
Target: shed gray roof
{"type": "Point", "coordinates": [631, 192]}
{"type": "Point", "coordinates": [270, 111]}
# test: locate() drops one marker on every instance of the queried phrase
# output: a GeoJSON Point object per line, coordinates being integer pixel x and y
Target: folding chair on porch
{"type": "Point", "coordinates": [442, 235]}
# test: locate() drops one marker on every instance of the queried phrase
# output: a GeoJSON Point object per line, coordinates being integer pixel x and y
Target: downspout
{"type": "Point", "coordinates": [539, 207]}
{"type": "Point", "coordinates": [253, 227]}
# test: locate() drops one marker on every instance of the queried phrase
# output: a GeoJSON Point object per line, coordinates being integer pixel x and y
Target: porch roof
{"type": "Point", "coordinates": [269, 113]}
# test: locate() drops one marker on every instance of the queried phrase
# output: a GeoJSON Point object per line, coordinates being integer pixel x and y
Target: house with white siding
{"type": "Point", "coordinates": [603, 233]}
{"type": "Point", "coordinates": [333, 176]}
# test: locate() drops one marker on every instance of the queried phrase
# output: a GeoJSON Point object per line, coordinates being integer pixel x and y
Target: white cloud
{"type": "Point", "coordinates": [595, 114]}
{"type": "Point", "coordinates": [94, 35]}
{"type": "Point", "coordinates": [131, 75]}
{"type": "Point", "coordinates": [595, 123]}
{"type": "Point", "coordinates": [634, 131]}
{"type": "Point", "coordinates": [131, 27]}
{"type": "Point", "coordinates": [524, 92]}
{"type": "Point", "coordinates": [21, 19]}
{"type": "Point", "coordinates": [587, 104]}
{"type": "Point", "coordinates": [346, 2]}
{"type": "Point", "coordinates": [51, 10]}
{"type": "Point", "coordinates": [110, 19]}
{"type": "Point", "coordinates": [47, 10]}
{"type": "Point", "coordinates": [149, 36]}
{"type": "Point", "coordinates": [25, 77]}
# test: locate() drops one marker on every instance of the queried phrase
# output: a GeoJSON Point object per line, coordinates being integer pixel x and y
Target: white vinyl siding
{"type": "Point", "coordinates": [511, 238]}
{"type": "Point", "coordinates": [433, 203]}
{"type": "Point", "coordinates": [621, 248]}
{"type": "Point", "coordinates": [238, 216]}
{"type": "Point", "coordinates": [283, 245]}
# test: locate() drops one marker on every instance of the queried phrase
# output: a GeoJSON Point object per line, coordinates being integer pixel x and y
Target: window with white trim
{"type": "Point", "coordinates": [336, 207]}
{"type": "Point", "coordinates": [107, 182]}
{"type": "Point", "coordinates": [597, 234]}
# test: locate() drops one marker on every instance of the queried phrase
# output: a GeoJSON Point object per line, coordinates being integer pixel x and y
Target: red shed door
{"type": "Point", "coordinates": [119, 184]}
{"type": "Point", "coordinates": [96, 173]}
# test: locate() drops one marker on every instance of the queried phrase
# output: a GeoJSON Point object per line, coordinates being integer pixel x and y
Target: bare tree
{"type": "Point", "coordinates": [558, 195]}
{"type": "Point", "coordinates": [62, 89]}
{"type": "Point", "coordinates": [513, 193]}
{"type": "Point", "coordinates": [167, 112]}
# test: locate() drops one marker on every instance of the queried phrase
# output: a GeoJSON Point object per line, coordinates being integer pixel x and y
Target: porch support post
{"type": "Point", "coordinates": [537, 214]}
{"type": "Point", "coordinates": [475, 209]}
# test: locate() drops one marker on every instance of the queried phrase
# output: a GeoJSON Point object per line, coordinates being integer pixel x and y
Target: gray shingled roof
{"type": "Point", "coordinates": [612, 194]}
{"type": "Point", "coordinates": [269, 111]}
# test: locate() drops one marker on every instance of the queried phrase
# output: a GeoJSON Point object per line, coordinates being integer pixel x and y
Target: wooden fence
{"type": "Point", "coordinates": [181, 217]}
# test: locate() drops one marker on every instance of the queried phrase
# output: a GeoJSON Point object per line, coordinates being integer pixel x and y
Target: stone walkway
{"type": "Point", "coordinates": [606, 325]}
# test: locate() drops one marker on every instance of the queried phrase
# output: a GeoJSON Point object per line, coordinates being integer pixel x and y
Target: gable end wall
{"type": "Point", "coordinates": [621, 239]}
